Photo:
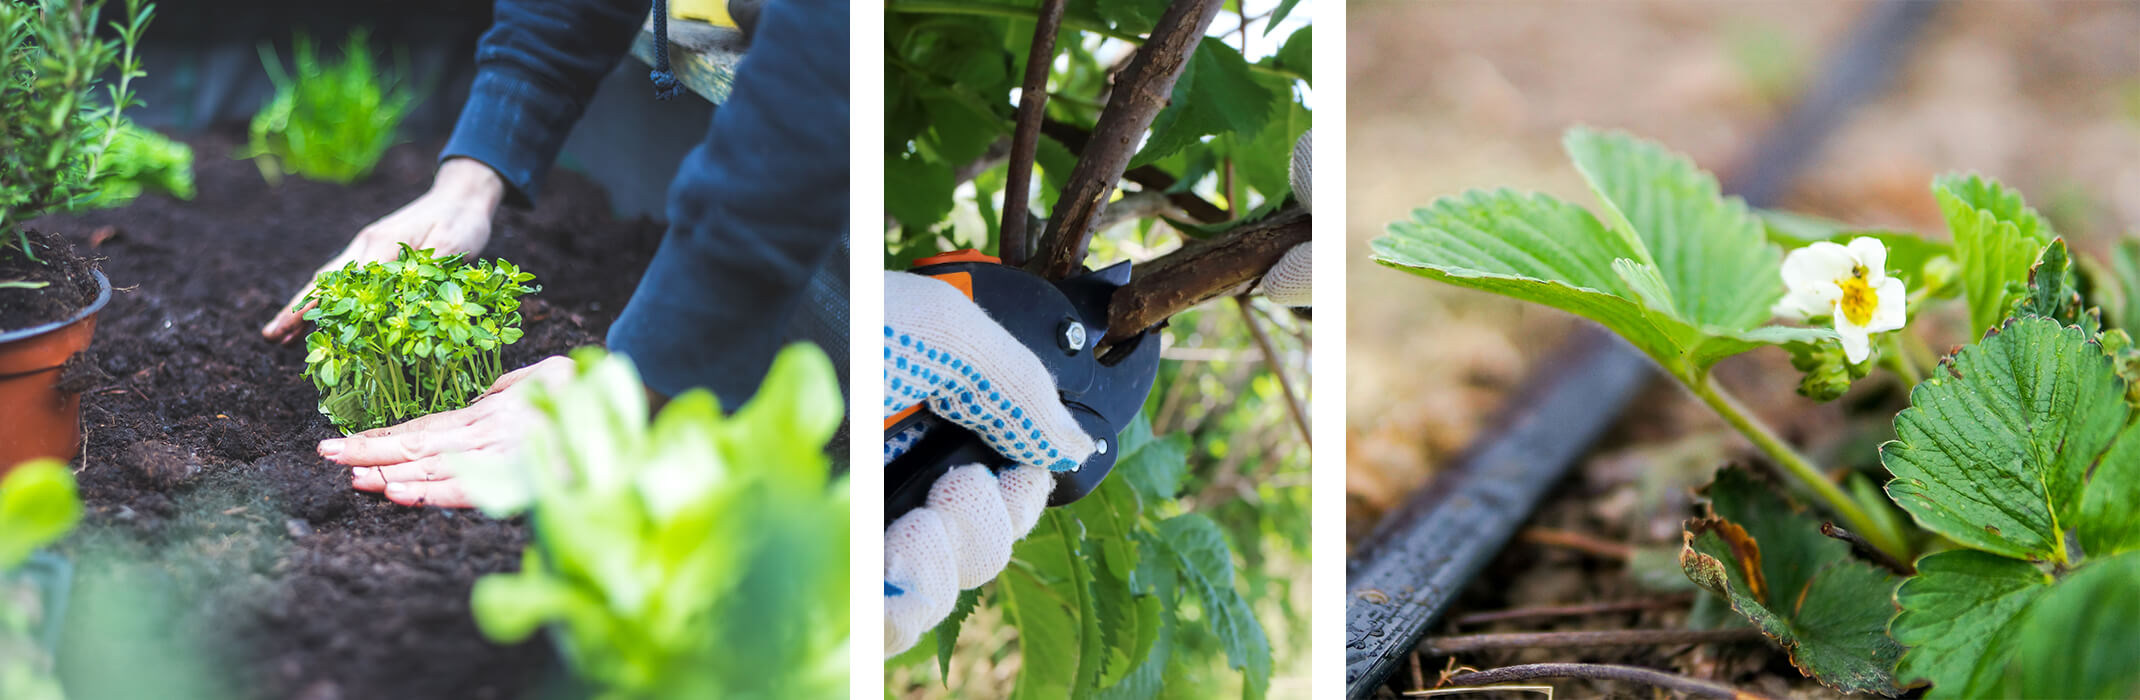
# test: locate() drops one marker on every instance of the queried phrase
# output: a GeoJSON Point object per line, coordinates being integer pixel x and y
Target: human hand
{"type": "Point", "coordinates": [943, 350]}
{"type": "Point", "coordinates": [409, 462]}
{"type": "Point", "coordinates": [452, 217]}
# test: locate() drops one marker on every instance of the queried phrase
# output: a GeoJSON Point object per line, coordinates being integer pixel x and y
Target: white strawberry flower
{"type": "Point", "coordinates": [1848, 283]}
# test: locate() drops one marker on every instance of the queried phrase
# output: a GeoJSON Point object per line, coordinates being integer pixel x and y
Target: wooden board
{"type": "Point", "coordinates": [702, 56]}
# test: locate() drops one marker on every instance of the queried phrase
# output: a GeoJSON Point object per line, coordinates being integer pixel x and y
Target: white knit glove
{"type": "Point", "coordinates": [942, 349]}
{"type": "Point", "coordinates": [1290, 282]}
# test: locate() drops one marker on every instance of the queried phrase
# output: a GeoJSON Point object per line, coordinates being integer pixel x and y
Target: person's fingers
{"type": "Point", "coordinates": [920, 583]}
{"type": "Point", "coordinates": [977, 375]}
{"type": "Point", "coordinates": [364, 247]}
{"type": "Point", "coordinates": [442, 494]}
{"type": "Point", "coordinates": [408, 446]}
{"type": "Point", "coordinates": [1025, 493]}
{"type": "Point", "coordinates": [971, 503]}
{"type": "Point", "coordinates": [425, 469]}
{"type": "Point", "coordinates": [548, 366]}
{"type": "Point", "coordinates": [436, 422]}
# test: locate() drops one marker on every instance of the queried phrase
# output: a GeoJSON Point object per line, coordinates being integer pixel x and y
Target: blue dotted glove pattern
{"type": "Point", "coordinates": [956, 390]}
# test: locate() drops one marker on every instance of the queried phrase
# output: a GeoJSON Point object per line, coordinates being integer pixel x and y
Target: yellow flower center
{"type": "Point", "coordinates": [1859, 299]}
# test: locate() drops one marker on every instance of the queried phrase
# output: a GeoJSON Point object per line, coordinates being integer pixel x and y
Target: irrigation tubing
{"type": "Point", "coordinates": [1404, 575]}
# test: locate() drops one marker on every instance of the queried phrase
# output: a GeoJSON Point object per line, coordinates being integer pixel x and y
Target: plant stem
{"type": "Point", "coordinates": [1798, 466]}
{"type": "Point", "coordinates": [1602, 672]}
{"type": "Point", "coordinates": [1898, 359]}
{"type": "Point", "coordinates": [1445, 646]}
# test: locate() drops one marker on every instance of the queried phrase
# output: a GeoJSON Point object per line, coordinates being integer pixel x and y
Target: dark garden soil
{"type": "Point", "coordinates": [248, 549]}
{"type": "Point", "coordinates": [68, 285]}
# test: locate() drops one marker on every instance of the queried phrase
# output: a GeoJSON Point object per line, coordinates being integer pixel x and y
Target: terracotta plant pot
{"type": "Point", "coordinates": [36, 418]}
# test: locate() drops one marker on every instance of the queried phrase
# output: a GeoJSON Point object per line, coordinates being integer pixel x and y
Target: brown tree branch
{"type": "Point", "coordinates": [1137, 97]}
{"type": "Point", "coordinates": [1149, 177]}
{"type": "Point", "coordinates": [1578, 609]}
{"type": "Point", "coordinates": [1201, 271]}
{"type": "Point", "coordinates": [1032, 105]}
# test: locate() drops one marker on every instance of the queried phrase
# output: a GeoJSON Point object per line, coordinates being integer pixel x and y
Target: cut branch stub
{"type": "Point", "coordinates": [1143, 90]}
{"type": "Point", "coordinates": [1203, 270]}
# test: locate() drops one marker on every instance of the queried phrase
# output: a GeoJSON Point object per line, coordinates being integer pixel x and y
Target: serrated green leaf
{"type": "Point", "coordinates": [2107, 524]}
{"type": "Point", "coordinates": [1540, 249]}
{"type": "Point", "coordinates": [1264, 163]}
{"type": "Point", "coordinates": [1995, 445]}
{"type": "Point", "coordinates": [2053, 290]}
{"type": "Point", "coordinates": [1710, 249]}
{"type": "Point", "coordinates": [1045, 600]}
{"type": "Point", "coordinates": [1216, 94]}
{"type": "Point", "coordinates": [1951, 610]}
{"type": "Point", "coordinates": [1996, 238]}
{"type": "Point", "coordinates": [2076, 640]}
{"type": "Point", "coordinates": [947, 632]}
{"type": "Point", "coordinates": [1828, 610]}
{"type": "Point", "coordinates": [1153, 467]}
{"type": "Point", "coordinates": [1200, 551]}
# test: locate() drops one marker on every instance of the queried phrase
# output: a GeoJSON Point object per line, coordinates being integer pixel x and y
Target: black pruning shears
{"type": "Point", "coordinates": [1060, 322]}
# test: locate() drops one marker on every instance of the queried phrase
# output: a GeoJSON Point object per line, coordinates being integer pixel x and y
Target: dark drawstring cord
{"type": "Point", "coordinates": [666, 86]}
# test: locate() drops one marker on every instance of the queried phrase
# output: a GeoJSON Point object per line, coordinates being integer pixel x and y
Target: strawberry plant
{"type": "Point", "coordinates": [327, 122]}
{"type": "Point", "coordinates": [55, 131]}
{"type": "Point", "coordinates": [2016, 459]}
{"type": "Point", "coordinates": [700, 555]}
{"type": "Point", "coordinates": [418, 334]}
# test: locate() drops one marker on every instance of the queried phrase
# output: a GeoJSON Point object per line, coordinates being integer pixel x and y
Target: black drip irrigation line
{"type": "Point", "coordinates": [1403, 577]}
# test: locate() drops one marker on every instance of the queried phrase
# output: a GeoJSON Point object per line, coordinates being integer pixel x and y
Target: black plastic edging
{"type": "Point", "coordinates": [1403, 577]}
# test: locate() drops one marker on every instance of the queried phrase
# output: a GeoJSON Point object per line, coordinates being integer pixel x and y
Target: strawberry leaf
{"type": "Point", "coordinates": [1802, 589]}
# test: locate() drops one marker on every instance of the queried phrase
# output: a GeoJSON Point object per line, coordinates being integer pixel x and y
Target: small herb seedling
{"type": "Point", "coordinates": [55, 132]}
{"type": "Point", "coordinates": [701, 555]}
{"type": "Point", "coordinates": [328, 123]}
{"type": "Point", "coordinates": [419, 334]}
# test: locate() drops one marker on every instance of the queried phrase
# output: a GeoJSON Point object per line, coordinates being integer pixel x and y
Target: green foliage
{"type": "Point", "coordinates": [1106, 602]}
{"type": "Point", "coordinates": [1798, 586]}
{"type": "Point", "coordinates": [2021, 448]}
{"type": "Point", "coordinates": [1097, 585]}
{"type": "Point", "coordinates": [1996, 237]}
{"type": "Point", "coordinates": [38, 506]}
{"type": "Point", "coordinates": [328, 123]}
{"type": "Point", "coordinates": [953, 68]}
{"type": "Point", "coordinates": [704, 556]}
{"type": "Point", "coordinates": [54, 133]}
{"type": "Point", "coordinates": [1682, 272]}
{"type": "Point", "coordinates": [141, 160]}
{"type": "Point", "coordinates": [415, 335]}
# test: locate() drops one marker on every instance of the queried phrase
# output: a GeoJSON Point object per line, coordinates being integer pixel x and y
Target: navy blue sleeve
{"type": "Point", "coordinates": [755, 210]}
{"type": "Point", "coordinates": [535, 71]}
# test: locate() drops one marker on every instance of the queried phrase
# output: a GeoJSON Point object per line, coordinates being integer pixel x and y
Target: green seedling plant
{"type": "Point", "coordinates": [327, 122]}
{"type": "Point", "coordinates": [55, 131]}
{"type": "Point", "coordinates": [701, 555]}
{"type": "Point", "coordinates": [141, 160]}
{"type": "Point", "coordinates": [419, 334]}
{"type": "Point", "coordinates": [38, 506]}
{"type": "Point", "coordinates": [2015, 461]}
